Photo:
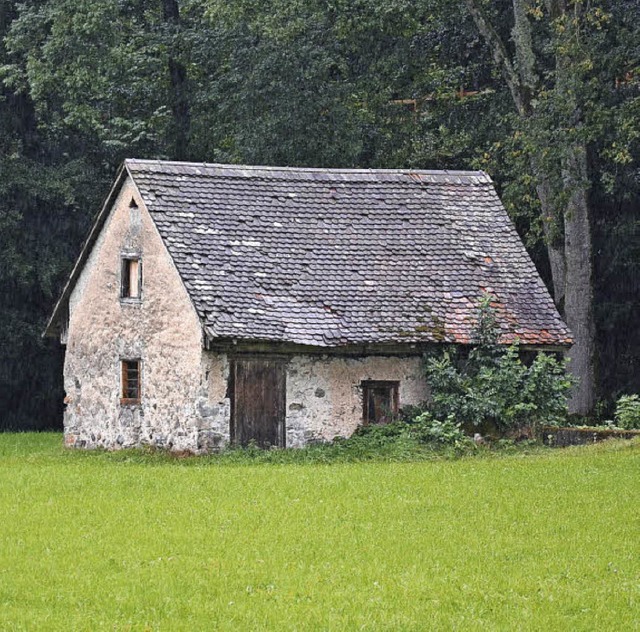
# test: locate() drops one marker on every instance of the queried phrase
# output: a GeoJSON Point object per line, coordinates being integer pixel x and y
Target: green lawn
{"type": "Point", "coordinates": [544, 541]}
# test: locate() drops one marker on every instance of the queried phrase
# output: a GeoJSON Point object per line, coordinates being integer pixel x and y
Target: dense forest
{"type": "Point", "coordinates": [544, 95]}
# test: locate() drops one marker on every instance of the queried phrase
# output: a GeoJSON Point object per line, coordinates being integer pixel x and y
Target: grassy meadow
{"type": "Point", "coordinates": [548, 540]}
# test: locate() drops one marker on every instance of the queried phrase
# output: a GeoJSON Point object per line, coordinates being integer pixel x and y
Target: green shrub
{"type": "Point", "coordinates": [491, 388]}
{"type": "Point", "coordinates": [380, 432]}
{"type": "Point", "coordinates": [423, 429]}
{"type": "Point", "coordinates": [627, 414]}
{"type": "Point", "coordinates": [409, 412]}
{"type": "Point", "coordinates": [427, 429]}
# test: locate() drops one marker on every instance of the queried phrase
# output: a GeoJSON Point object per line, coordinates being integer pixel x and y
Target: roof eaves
{"type": "Point", "coordinates": [51, 329]}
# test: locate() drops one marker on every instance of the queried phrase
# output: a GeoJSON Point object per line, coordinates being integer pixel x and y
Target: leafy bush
{"type": "Point", "coordinates": [491, 388]}
{"type": "Point", "coordinates": [380, 432]}
{"type": "Point", "coordinates": [409, 412]}
{"type": "Point", "coordinates": [430, 430]}
{"type": "Point", "coordinates": [423, 428]}
{"type": "Point", "coordinates": [627, 414]}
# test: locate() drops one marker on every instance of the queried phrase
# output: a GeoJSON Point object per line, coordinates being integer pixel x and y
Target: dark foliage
{"type": "Point", "coordinates": [86, 83]}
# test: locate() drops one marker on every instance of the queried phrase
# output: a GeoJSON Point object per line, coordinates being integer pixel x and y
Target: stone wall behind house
{"type": "Point", "coordinates": [162, 329]}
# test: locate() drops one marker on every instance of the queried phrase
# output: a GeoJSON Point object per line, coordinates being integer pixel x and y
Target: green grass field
{"type": "Point", "coordinates": [542, 541]}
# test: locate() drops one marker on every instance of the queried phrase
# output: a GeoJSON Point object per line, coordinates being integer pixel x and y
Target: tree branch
{"type": "Point", "coordinates": [524, 46]}
{"type": "Point", "coordinates": [500, 55]}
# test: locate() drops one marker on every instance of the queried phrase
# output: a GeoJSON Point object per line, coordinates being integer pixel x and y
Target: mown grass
{"type": "Point", "coordinates": [141, 541]}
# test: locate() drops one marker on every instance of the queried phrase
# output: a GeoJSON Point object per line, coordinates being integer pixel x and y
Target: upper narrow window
{"type": "Point", "coordinates": [131, 285]}
{"type": "Point", "coordinates": [130, 390]}
{"type": "Point", "coordinates": [380, 401]}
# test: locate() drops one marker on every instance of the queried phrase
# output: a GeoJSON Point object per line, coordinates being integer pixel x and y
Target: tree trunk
{"type": "Point", "coordinates": [178, 78]}
{"type": "Point", "coordinates": [553, 230]}
{"type": "Point", "coordinates": [579, 288]}
{"type": "Point", "coordinates": [522, 37]}
{"type": "Point", "coordinates": [570, 260]}
{"type": "Point", "coordinates": [578, 305]}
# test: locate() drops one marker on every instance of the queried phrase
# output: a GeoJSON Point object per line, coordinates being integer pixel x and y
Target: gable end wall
{"type": "Point", "coordinates": [163, 330]}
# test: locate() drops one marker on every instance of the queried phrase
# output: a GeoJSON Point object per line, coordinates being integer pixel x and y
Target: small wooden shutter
{"type": "Point", "coordinates": [134, 287]}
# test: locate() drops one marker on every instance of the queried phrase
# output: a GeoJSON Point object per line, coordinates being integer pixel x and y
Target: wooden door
{"type": "Point", "coordinates": [258, 401]}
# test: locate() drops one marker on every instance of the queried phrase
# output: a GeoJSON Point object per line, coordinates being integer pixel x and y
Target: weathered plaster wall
{"type": "Point", "coordinates": [324, 396]}
{"type": "Point", "coordinates": [183, 392]}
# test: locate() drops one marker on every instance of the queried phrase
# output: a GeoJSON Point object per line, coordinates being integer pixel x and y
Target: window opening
{"type": "Point", "coordinates": [131, 278]}
{"type": "Point", "coordinates": [130, 393]}
{"type": "Point", "coordinates": [380, 401]}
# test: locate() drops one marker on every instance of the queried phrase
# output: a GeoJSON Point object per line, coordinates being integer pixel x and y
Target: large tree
{"type": "Point", "coordinates": [549, 59]}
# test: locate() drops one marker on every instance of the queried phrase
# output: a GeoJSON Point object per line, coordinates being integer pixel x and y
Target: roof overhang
{"type": "Point", "coordinates": [233, 346]}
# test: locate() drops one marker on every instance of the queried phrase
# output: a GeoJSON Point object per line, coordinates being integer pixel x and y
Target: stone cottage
{"type": "Point", "coordinates": [218, 303]}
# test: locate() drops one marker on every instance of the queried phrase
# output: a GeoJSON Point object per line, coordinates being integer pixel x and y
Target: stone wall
{"type": "Point", "coordinates": [324, 393]}
{"type": "Point", "coordinates": [323, 398]}
{"type": "Point", "coordinates": [213, 406]}
{"type": "Point", "coordinates": [563, 437]}
{"type": "Point", "coordinates": [162, 329]}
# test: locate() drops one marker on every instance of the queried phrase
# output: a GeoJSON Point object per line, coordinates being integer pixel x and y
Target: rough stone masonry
{"type": "Point", "coordinates": [185, 404]}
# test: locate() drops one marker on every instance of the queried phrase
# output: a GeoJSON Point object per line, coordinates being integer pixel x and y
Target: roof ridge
{"type": "Point", "coordinates": [133, 162]}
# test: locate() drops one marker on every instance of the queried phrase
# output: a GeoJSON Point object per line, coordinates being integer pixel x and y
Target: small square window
{"type": "Point", "coordinates": [131, 278]}
{"type": "Point", "coordinates": [130, 390]}
{"type": "Point", "coordinates": [380, 401]}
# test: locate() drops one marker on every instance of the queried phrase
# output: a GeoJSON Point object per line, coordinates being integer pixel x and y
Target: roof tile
{"type": "Point", "coordinates": [335, 257]}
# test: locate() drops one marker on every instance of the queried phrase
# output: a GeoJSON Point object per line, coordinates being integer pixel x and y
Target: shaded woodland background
{"type": "Point", "coordinates": [519, 88]}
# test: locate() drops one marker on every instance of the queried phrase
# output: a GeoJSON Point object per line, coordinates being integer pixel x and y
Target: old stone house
{"type": "Point", "coordinates": [216, 303]}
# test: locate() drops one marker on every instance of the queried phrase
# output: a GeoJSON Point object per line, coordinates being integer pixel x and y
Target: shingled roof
{"type": "Point", "coordinates": [334, 257]}
{"type": "Point", "coordinates": [331, 257]}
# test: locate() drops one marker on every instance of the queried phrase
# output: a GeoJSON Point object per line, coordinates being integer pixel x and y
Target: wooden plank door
{"type": "Point", "coordinates": [258, 401]}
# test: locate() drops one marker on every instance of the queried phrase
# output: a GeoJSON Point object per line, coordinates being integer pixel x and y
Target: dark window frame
{"type": "Point", "coordinates": [125, 275]}
{"type": "Point", "coordinates": [127, 380]}
{"type": "Point", "coordinates": [392, 386]}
